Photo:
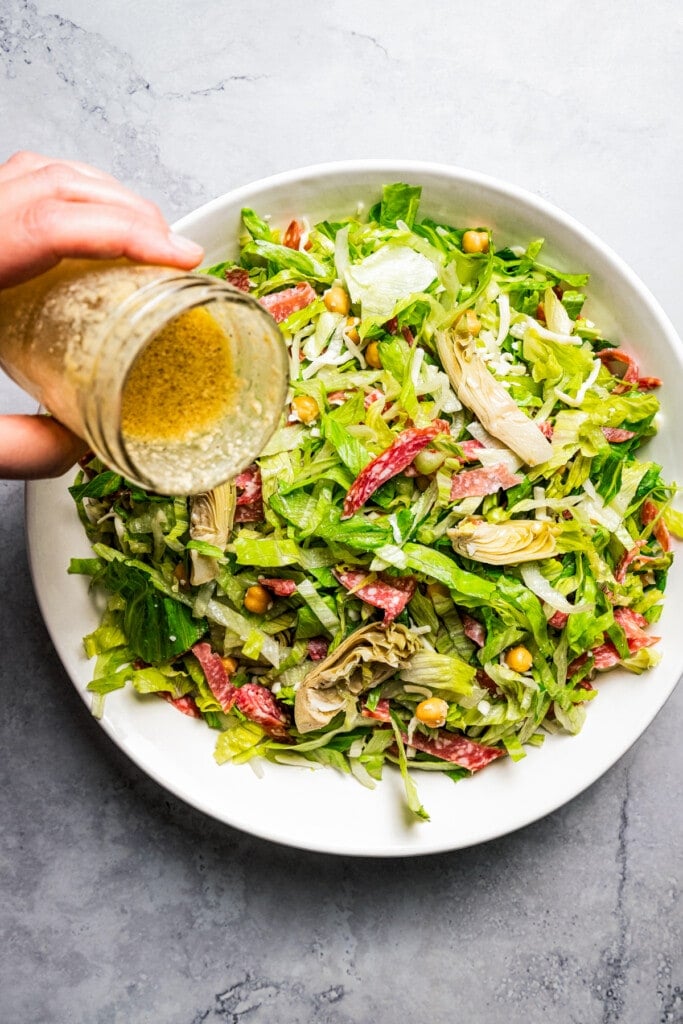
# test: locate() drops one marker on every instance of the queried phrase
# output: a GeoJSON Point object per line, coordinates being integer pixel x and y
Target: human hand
{"type": "Point", "coordinates": [50, 210]}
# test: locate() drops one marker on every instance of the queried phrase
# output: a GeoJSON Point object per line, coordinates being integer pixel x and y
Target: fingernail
{"type": "Point", "coordinates": [185, 245]}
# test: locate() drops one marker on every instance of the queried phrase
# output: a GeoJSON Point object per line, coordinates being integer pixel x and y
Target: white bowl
{"type": "Point", "coordinates": [321, 810]}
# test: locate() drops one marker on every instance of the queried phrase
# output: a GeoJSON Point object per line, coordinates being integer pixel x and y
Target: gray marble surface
{"type": "Point", "coordinates": [120, 904]}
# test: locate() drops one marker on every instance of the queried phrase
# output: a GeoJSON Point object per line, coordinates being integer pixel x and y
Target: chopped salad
{"type": "Point", "coordinates": [448, 540]}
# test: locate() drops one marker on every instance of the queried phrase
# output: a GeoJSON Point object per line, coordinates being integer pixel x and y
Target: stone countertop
{"type": "Point", "coordinates": [120, 903]}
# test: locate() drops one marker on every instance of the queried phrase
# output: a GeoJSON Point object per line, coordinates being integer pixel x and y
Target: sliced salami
{"type": "Point", "coordinates": [372, 396]}
{"type": "Point", "coordinates": [380, 714]}
{"type": "Point", "coordinates": [186, 704]}
{"type": "Point", "coordinates": [292, 236]}
{"type": "Point", "coordinates": [391, 594]}
{"type": "Point", "coordinates": [458, 749]}
{"type": "Point", "coordinates": [605, 656]}
{"type": "Point", "coordinates": [238, 277]}
{"type": "Point", "coordinates": [216, 675]}
{"type": "Point", "coordinates": [629, 619]}
{"type": "Point", "coordinates": [337, 397]}
{"type": "Point", "coordinates": [609, 356]}
{"type": "Point", "coordinates": [258, 704]}
{"type": "Point", "coordinates": [470, 450]}
{"type": "Point", "coordinates": [318, 647]}
{"type": "Point", "coordinates": [390, 463]}
{"type": "Point", "coordinates": [282, 304]}
{"type": "Point", "coordinates": [558, 620]}
{"type": "Point", "coordinates": [249, 498]}
{"type": "Point", "coordinates": [649, 513]}
{"type": "Point", "coordinates": [484, 680]}
{"type": "Point", "coordinates": [474, 629]}
{"type": "Point", "coordinates": [615, 435]}
{"type": "Point", "coordinates": [625, 561]}
{"type": "Point", "coordinates": [633, 625]}
{"type": "Point", "coordinates": [279, 587]}
{"type": "Point", "coordinates": [477, 482]}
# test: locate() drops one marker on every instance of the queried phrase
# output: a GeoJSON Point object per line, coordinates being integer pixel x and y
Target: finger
{"type": "Point", "coordinates": [33, 447]}
{"type": "Point", "coordinates": [59, 181]}
{"type": "Point", "coordinates": [24, 162]}
{"type": "Point", "coordinates": [54, 229]}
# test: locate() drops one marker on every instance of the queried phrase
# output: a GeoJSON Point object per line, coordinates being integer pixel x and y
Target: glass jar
{"type": "Point", "coordinates": [176, 380]}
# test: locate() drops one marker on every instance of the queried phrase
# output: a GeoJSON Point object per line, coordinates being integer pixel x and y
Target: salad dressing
{"type": "Point", "coordinates": [176, 380]}
{"type": "Point", "coordinates": [181, 383]}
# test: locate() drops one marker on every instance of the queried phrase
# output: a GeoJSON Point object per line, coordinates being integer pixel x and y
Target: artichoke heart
{"type": "Point", "coordinates": [518, 540]}
{"type": "Point", "coordinates": [211, 518]}
{"type": "Point", "coordinates": [486, 397]}
{"type": "Point", "coordinates": [366, 658]}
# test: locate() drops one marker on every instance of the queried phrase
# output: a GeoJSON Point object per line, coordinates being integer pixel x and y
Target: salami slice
{"type": "Point", "coordinates": [380, 714]}
{"type": "Point", "coordinates": [628, 619]}
{"type": "Point", "coordinates": [238, 277]}
{"type": "Point", "coordinates": [390, 463]}
{"type": "Point", "coordinates": [474, 629]}
{"type": "Point", "coordinates": [216, 675]}
{"type": "Point", "coordinates": [577, 663]}
{"type": "Point", "coordinates": [372, 396]}
{"type": "Point", "coordinates": [625, 561]}
{"type": "Point", "coordinates": [249, 498]}
{"type": "Point", "coordinates": [617, 436]}
{"type": "Point", "coordinates": [458, 749]}
{"type": "Point", "coordinates": [470, 450]}
{"type": "Point", "coordinates": [484, 680]}
{"type": "Point", "coordinates": [186, 704]}
{"type": "Point", "coordinates": [282, 304]}
{"type": "Point", "coordinates": [337, 397]}
{"type": "Point", "coordinates": [391, 594]}
{"type": "Point", "coordinates": [477, 482]}
{"type": "Point", "coordinates": [558, 620]}
{"type": "Point", "coordinates": [318, 647]}
{"type": "Point", "coordinates": [605, 656]}
{"type": "Point", "coordinates": [279, 587]}
{"type": "Point", "coordinates": [292, 236]}
{"type": "Point", "coordinates": [546, 429]}
{"type": "Point", "coordinates": [648, 513]}
{"type": "Point", "coordinates": [633, 625]}
{"type": "Point", "coordinates": [609, 356]}
{"type": "Point", "coordinates": [258, 704]}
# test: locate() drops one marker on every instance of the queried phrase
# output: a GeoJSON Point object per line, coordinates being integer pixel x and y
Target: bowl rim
{"type": "Point", "coordinates": [416, 168]}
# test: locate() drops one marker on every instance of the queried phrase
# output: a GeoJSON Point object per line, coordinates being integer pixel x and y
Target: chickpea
{"type": "Point", "coordinates": [352, 329]}
{"type": "Point", "coordinates": [306, 408]}
{"type": "Point", "coordinates": [337, 300]}
{"type": "Point", "coordinates": [230, 665]}
{"type": "Point", "coordinates": [257, 599]}
{"type": "Point", "coordinates": [519, 659]}
{"type": "Point", "coordinates": [372, 356]}
{"type": "Point", "coordinates": [471, 322]}
{"type": "Point", "coordinates": [475, 241]}
{"type": "Point", "coordinates": [437, 590]}
{"type": "Point", "coordinates": [432, 712]}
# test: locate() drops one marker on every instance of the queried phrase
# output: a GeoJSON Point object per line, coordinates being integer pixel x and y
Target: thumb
{"type": "Point", "coordinates": [33, 447]}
